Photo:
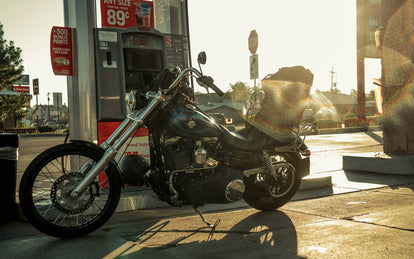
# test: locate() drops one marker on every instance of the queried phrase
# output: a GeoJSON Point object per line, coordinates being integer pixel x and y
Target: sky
{"type": "Point", "coordinates": [319, 35]}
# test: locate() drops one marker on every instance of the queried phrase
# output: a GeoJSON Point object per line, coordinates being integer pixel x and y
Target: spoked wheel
{"type": "Point", "coordinates": [48, 181]}
{"type": "Point", "coordinates": [265, 192]}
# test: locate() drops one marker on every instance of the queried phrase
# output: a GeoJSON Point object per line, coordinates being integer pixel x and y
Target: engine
{"type": "Point", "coordinates": [188, 153]}
{"type": "Point", "coordinates": [196, 176]}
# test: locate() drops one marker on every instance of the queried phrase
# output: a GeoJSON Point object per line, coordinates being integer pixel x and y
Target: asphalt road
{"type": "Point", "coordinates": [364, 215]}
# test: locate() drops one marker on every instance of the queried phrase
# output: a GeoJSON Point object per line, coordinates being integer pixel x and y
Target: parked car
{"type": "Point", "coordinates": [221, 119]}
{"type": "Point", "coordinates": [51, 124]}
{"type": "Point", "coordinates": [327, 118]}
{"type": "Point", "coordinates": [218, 118]}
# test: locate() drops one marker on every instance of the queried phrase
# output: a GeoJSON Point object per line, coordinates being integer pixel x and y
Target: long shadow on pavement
{"type": "Point", "coordinates": [260, 234]}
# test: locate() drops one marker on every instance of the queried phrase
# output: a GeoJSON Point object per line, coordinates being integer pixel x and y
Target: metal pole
{"type": "Point", "coordinates": [255, 97]}
{"type": "Point", "coordinates": [48, 107]}
{"type": "Point", "coordinates": [37, 113]}
{"type": "Point", "coordinates": [361, 90]}
{"type": "Point", "coordinates": [332, 75]}
{"type": "Point", "coordinates": [361, 43]}
{"type": "Point", "coordinates": [81, 16]}
{"type": "Point", "coordinates": [58, 118]}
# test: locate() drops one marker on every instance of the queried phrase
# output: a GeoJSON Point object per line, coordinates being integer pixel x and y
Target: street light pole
{"type": "Point", "coordinates": [48, 108]}
{"type": "Point", "coordinates": [37, 113]}
{"type": "Point", "coordinates": [332, 75]}
{"type": "Point", "coordinates": [58, 118]}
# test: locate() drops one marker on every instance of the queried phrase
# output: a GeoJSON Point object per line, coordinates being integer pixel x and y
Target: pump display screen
{"type": "Point", "coordinates": [143, 60]}
{"type": "Point", "coordinates": [140, 40]}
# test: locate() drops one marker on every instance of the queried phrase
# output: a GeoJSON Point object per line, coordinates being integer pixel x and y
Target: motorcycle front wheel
{"type": "Point", "coordinates": [266, 195]}
{"type": "Point", "coordinates": [49, 179]}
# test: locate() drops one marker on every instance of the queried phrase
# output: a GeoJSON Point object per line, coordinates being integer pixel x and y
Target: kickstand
{"type": "Point", "coordinates": [205, 221]}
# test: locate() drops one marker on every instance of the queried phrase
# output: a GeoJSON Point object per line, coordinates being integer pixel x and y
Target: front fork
{"type": "Point", "coordinates": [113, 144]}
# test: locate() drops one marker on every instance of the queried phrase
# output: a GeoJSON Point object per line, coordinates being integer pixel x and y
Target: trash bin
{"type": "Point", "coordinates": [9, 144]}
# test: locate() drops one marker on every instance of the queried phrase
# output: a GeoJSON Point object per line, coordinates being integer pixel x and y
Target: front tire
{"type": "Point", "coordinates": [47, 182]}
{"type": "Point", "coordinates": [264, 196]}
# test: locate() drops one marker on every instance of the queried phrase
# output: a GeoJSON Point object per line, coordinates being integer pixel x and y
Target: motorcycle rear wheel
{"type": "Point", "coordinates": [47, 182]}
{"type": "Point", "coordinates": [260, 196]}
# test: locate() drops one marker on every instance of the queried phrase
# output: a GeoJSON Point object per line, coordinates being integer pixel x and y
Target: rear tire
{"type": "Point", "coordinates": [259, 195]}
{"type": "Point", "coordinates": [47, 182]}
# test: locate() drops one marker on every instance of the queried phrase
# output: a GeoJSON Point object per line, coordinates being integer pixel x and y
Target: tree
{"type": "Point", "coordinates": [11, 67]}
{"type": "Point", "coordinates": [354, 94]}
{"type": "Point", "coordinates": [334, 91]}
{"type": "Point", "coordinates": [12, 109]}
{"type": "Point", "coordinates": [240, 92]}
{"type": "Point", "coordinates": [370, 96]}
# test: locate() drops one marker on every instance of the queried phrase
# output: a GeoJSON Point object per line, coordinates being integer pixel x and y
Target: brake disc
{"type": "Point", "coordinates": [60, 194]}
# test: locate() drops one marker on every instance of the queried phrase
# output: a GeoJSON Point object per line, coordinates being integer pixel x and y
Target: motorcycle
{"type": "Point", "coordinates": [72, 189]}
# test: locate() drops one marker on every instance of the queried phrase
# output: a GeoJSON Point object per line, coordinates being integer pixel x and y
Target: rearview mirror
{"type": "Point", "coordinates": [202, 58]}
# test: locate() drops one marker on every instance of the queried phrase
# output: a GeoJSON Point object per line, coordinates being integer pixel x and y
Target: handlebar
{"type": "Point", "coordinates": [208, 81]}
{"type": "Point", "coordinates": [202, 80]}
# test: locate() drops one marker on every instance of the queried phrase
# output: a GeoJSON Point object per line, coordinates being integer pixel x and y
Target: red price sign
{"type": "Point", "coordinates": [61, 51]}
{"type": "Point", "coordinates": [168, 41]}
{"type": "Point", "coordinates": [25, 90]}
{"type": "Point", "coordinates": [36, 86]}
{"type": "Point", "coordinates": [127, 13]}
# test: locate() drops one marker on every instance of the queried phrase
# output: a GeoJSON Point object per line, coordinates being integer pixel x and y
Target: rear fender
{"type": "Point", "coordinates": [304, 166]}
{"type": "Point", "coordinates": [112, 166]}
{"type": "Point", "coordinates": [301, 163]}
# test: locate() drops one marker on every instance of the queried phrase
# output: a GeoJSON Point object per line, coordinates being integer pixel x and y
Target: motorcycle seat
{"type": "Point", "coordinates": [281, 139]}
{"type": "Point", "coordinates": [252, 140]}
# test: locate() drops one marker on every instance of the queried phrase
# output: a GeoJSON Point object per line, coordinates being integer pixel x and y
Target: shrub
{"type": "Point", "coordinates": [370, 120]}
{"type": "Point", "coordinates": [43, 129]}
{"type": "Point", "coordinates": [323, 124]}
{"type": "Point", "coordinates": [375, 120]}
{"type": "Point", "coordinates": [351, 122]}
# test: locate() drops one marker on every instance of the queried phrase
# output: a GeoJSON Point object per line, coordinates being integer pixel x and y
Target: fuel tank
{"type": "Point", "coordinates": [187, 120]}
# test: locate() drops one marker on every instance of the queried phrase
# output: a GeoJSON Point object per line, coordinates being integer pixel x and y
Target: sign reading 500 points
{"type": "Point", "coordinates": [127, 13]}
{"type": "Point", "coordinates": [61, 50]}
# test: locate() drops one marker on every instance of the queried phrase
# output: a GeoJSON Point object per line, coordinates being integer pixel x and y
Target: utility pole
{"type": "Point", "coordinates": [332, 76]}
{"type": "Point", "coordinates": [48, 107]}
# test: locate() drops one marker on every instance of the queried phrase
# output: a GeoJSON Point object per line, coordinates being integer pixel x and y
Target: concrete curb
{"type": "Point", "coordinates": [379, 163]}
{"type": "Point", "coordinates": [349, 130]}
{"type": "Point", "coordinates": [35, 135]}
{"type": "Point", "coordinates": [312, 182]}
{"type": "Point", "coordinates": [139, 200]}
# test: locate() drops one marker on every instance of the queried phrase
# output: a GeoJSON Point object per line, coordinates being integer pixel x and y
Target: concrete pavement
{"type": "Point", "coordinates": [374, 223]}
{"type": "Point", "coordinates": [360, 215]}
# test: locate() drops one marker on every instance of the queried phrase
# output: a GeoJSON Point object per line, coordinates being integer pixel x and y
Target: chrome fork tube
{"type": "Point", "coordinates": [120, 136]}
{"type": "Point", "coordinates": [108, 143]}
{"type": "Point", "coordinates": [115, 135]}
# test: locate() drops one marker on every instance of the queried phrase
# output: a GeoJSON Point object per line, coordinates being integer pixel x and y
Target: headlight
{"type": "Point", "coordinates": [131, 103]}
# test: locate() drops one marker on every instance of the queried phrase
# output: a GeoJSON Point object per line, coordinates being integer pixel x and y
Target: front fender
{"type": "Point", "coordinates": [88, 144]}
{"type": "Point", "coordinates": [112, 166]}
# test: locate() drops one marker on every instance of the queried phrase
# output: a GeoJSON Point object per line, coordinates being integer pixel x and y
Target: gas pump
{"type": "Point", "coordinates": [122, 56]}
{"type": "Point", "coordinates": [126, 59]}
{"type": "Point", "coordinates": [144, 54]}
